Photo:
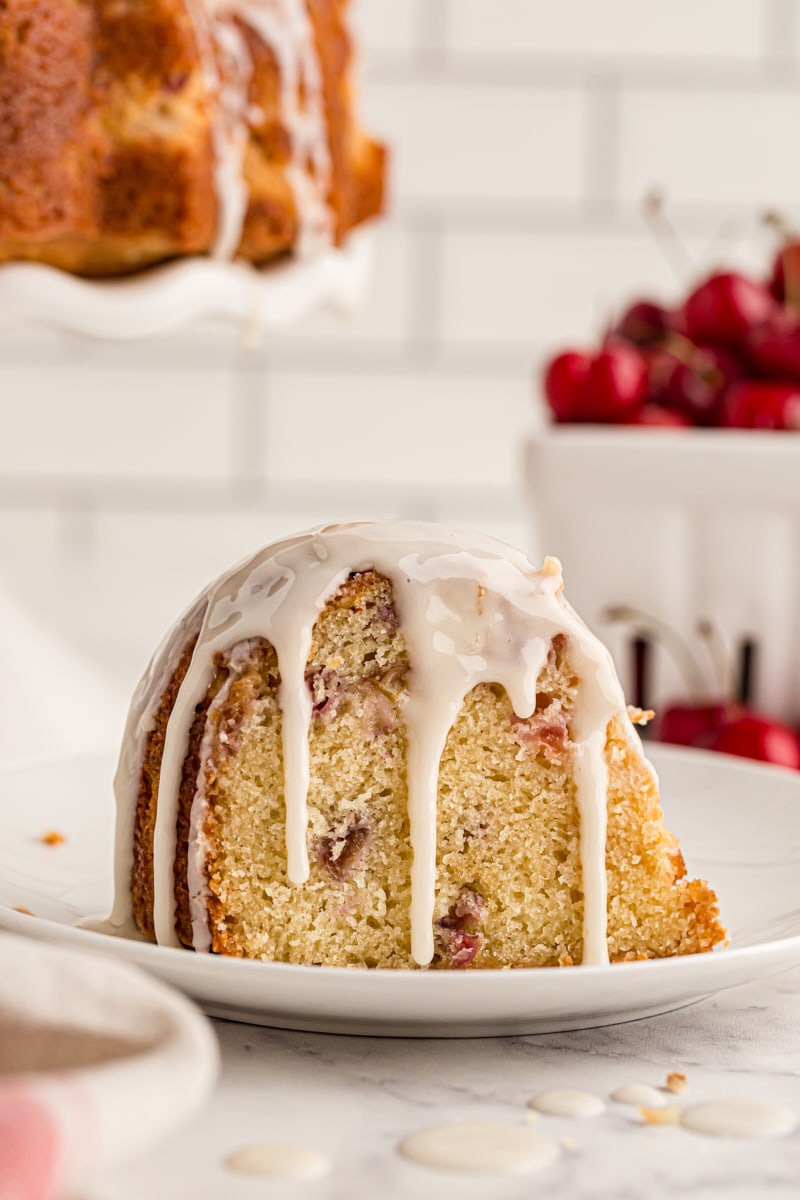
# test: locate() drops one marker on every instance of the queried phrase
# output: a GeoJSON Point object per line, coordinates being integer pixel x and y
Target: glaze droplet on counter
{"type": "Point", "coordinates": [740, 1119]}
{"type": "Point", "coordinates": [481, 1148]}
{"type": "Point", "coordinates": [472, 610]}
{"type": "Point", "coordinates": [639, 1095]}
{"type": "Point", "coordinates": [279, 1160]}
{"type": "Point", "coordinates": [568, 1102]}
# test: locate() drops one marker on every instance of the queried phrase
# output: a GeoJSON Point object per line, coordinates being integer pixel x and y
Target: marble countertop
{"type": "Point", "coordinates": [355, 1098]}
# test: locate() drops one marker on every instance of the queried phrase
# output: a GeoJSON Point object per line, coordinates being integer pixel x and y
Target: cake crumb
{"type": "Point", "coordinates": [670, 1115]}
{"type": "Point", "coordinates": [531, 1117]}
{"type": "Point", "coordinates": [569, 1143]}
{"type": "Point", "coordinates": [640, 716]}
{"type": "Point", "coordinates": [676, 1082]}
{"type": "Point", "coordinates": [20, 908]}
{"type": "Point", "coordinates": [51, 837]}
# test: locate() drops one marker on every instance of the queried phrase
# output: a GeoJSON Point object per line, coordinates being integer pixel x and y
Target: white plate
{"type": "Point", "coordinates": [739, 824]}
{"type": "Point", "coordinates": [165, 298]}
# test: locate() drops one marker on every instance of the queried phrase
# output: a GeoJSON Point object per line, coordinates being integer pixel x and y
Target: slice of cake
{"type": "Point", "coordinates": [395, 746]}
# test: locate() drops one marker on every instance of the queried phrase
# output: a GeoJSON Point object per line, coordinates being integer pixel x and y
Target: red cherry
{"type": "Point", "coordinates": [697, 390]}
{"type": "Point", "coordinates": [725, 306]}
{"type": "Point", "coordinates": [753, 404]}
{"type": "Point", "coordinates": [691, 724]}
{"type": "Point", "coordinates": [617, 383]}
{"type": "Point", "coordinates": [774, 347]}
{"type": "Point", "coordinates": [657, 415]}
{"type": "Point", "coordinates": [565, 383]}
{"type": "Point", "coordinates": [644, 323]}
{"type": "Point", "coordinates": [785, 280]}
{"type": "Point", "coordinates": [750, 735]}
{"type": "Point", "coordinates": [691, 379]}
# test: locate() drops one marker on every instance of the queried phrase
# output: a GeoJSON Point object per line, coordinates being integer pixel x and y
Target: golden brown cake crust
{"type": "Point", "coordinates": [142, 886]}
{"type": "Point", "coordinates": [106, 154]}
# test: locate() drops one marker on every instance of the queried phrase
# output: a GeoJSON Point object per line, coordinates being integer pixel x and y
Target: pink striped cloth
{"type": "Point", "coordinates": [97, 1062]}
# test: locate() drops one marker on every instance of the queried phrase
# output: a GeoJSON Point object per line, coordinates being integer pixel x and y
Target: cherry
{"type": "Point", "coordinates": [656, 414]}
{"type": "Point", "coordinates": [774, 347]}
{"type": "Point", "coordinates": [690, 724]}
{"type": "Point", "coordinates": [565, 383]}
{"type": "Point", "coordinates": [691, 379]}
{"type": "Point", "coordinates": [756, 404]}
{"type": "Point", "coordinates": [730, 729]}
{"type": "Point", "coordinates": [725, 307]}
{"type": "Point", "coordinates": [785, 279]}
{"type": "Point", "coordinates": [698, 386]}
{"type": "Point", "coordinates": [750, 735]}
{"type": "Point", "coordinates": [617, 383]}
{"type": "Point", "coordinates": [644, 323]}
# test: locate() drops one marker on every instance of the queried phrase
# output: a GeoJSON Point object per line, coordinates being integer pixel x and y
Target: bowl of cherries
{"type": "Point", "coordinates": [668, 482]}
{"type": "Point", "coordinates": [727, 357]}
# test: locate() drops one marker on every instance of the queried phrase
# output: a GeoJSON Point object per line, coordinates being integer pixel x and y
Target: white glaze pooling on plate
{"type": "Point", "coordinates": [279, 1160]}
{"type": "Point", "coordinates": [568, 1102]}
{"type": "Point", "coordinates": [481, 1148]}
{"type": "Point", "coordinates": [740, 1118]}
{"type": "Point", "coordinates": [471, 609]}
{"type": "Point", "coordinates": [639, 1095]}
{"type": "Point", "coordinates": [285, 27]}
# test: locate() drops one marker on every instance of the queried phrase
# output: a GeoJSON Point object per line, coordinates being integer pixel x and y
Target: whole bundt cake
{"type": "Point", "coordinates": [390, 745]}
{"type": "Point", "coordinates": [134, 131]}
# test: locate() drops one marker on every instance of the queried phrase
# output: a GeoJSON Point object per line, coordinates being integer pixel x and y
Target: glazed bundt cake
{"type": "Point", "coordinates": [393, 746]}
{"type": "Point", "coordinates": [134, 131]}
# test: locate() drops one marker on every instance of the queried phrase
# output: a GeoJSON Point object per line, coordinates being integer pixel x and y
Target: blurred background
{"type": "Point", "coordinates": [524, 136]}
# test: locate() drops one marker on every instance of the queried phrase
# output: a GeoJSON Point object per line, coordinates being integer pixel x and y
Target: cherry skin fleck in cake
{"type": "Point", "coordinates": [393, 745]}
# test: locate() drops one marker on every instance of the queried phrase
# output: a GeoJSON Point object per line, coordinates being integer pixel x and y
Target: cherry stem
{"type": "Point", "coordinates": [664, 634]}
{"type": "Point", "coordinates": [724, 240]}
{"type": "Point", "coordinates": [777, 221]}
{"type": "Point", "coordinates": [666, 237]}
{"type": "Point", "coordinates": [719, 655]}
{"type": "Point", "coordinates": [790, 262]}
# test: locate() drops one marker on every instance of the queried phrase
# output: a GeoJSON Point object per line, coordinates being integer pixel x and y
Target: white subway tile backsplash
{"type": "Point", "coordinates": [397, 433]}
{"type": "Point", "coordinates": [87, 424]}
{"type": "Point", "coordinates": [385, 26]}
{"type": "Point", "coordinates": [540, 288]}
{"type": "Point", "coordinates": [383, 316]}
{"type": "Point", "coordinates": [716, 148]}
{"type": "Point", "coordinates": [28, 537]}
{"type": "Point", "coordinates": [523, 134]}
{"type": "Point", "coordinates": [615, 29]}
{"type": "Point", "coordinates": [500, 143]}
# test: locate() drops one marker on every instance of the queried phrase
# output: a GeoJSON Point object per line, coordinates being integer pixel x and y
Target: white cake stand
{"type": "Point", "coordinates": [165, 298]}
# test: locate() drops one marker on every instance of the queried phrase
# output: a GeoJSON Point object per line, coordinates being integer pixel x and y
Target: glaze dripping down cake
{"type": "Point", "coordinates": [135, 131]}
{"type": "Point", "coordinates": [395, 746]}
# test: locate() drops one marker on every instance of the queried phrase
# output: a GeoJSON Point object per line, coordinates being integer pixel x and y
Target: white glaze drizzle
{"type": "Point", "coordinates": [285, 27]}
{"type": "Point", "coordinates": [568, 1102]}
{"type": "Point", "coordinates": [481, 1147]}
{"type": "Point", "coordinates": [472, 610]}
{"type": "Point", "coordinates": [279, 1160]}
